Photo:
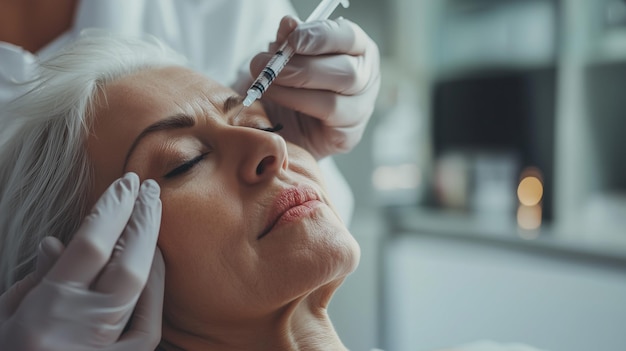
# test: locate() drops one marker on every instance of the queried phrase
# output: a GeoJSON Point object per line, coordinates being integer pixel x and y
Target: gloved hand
{"type": "Point", "coordinates": [326, 93]}
{"type": "Point", "coordinates": [84, 300]}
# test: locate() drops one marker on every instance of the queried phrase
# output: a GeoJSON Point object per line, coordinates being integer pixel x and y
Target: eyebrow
{"type": "Point", "coordinates": [232, 102]}
{"type": "Point", "coordinates": [179, 121]}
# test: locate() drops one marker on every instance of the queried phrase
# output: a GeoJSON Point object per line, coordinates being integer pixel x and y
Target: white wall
{"type": "Point", "coordinates": [442, 292]}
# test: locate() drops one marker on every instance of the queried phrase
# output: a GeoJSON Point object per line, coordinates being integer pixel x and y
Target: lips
{"type": "Point", "coordinates": [287, 200]}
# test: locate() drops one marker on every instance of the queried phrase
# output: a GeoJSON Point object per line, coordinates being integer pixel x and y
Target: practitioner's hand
{"type": "Point", "coordinates": [81, 297]}
{"type": "Point", "coordinates": [334, 77]}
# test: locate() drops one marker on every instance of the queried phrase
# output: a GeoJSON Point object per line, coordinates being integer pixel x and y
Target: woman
{"type": "Point", "coordinates": [331, 83]}
{"type": "Point", "coordinates": [252, 247]}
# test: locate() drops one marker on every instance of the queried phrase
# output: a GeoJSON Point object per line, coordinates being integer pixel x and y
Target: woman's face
{"type": "Point", "coordinates": [246, 226]}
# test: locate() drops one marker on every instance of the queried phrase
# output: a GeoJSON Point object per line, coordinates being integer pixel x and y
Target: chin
{"type": "Point", "coordinates": [353, 255]}
{"type": "Point", "coordinates": [342, 252]}
{"type": "Point", "coordinates": [328, 256]}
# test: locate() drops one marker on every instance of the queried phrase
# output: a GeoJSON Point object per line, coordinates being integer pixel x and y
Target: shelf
{"type": "Point", "coordinates": [463, 226]}
{"type": "Point", "coordinates": [488, 69]}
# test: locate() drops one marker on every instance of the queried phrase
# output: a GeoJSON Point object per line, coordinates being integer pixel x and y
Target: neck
{"type": "Point", "coordinates": [302, 325]}
{"type": "Point", "coordinates": [33, 24]}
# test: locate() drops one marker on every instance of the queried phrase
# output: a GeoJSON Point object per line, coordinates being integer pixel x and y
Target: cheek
{"type": "Point", "coordinates": [201, 228]}
{"type": "Point", "coordinates": [194, 222]}
{"type": "Point", "coordinates": [207, 255]}
{"type": "Point", "coordinates": [303, 163]}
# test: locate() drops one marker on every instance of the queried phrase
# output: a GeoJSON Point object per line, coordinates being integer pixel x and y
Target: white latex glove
{"type": "Point", "coordinates": [326, 93]}
{"type": "Point", "coordinates": [84, 300]}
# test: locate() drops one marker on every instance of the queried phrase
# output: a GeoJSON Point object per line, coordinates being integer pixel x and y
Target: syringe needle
{"type": "Point", "coordinates": [239, 112]}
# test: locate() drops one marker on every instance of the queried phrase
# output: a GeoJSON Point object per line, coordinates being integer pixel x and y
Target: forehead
{"type": "Point", "coordinates": [126, 106]}
{"type": "Point", "coordinates": [159, 88]}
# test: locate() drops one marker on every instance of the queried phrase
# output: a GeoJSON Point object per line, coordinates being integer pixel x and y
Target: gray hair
{"type": "Point", "coordinates": [45, 175]}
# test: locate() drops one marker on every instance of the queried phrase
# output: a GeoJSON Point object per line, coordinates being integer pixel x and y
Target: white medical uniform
{"type": "Point", "coordinates": [219, 37]}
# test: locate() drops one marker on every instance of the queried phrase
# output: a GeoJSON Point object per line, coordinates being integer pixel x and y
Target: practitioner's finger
{"type": "Point", "coordinates": [93, 244]}
{"type": "Point", "coordinates": [127, 271]}
{"type": "Point", "coordinates": [145, 325]}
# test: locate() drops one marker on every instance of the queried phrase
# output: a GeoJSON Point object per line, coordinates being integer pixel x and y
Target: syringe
{"type": "Point", "coordinates": [285, 52]}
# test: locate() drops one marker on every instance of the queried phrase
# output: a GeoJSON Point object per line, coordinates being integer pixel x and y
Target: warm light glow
{"type": "Point", "coordinates": [530, 191]}
{"type": "Point", "coordinates": [404, 176]}
{"type": "Point", "coordinates": [529, 217]}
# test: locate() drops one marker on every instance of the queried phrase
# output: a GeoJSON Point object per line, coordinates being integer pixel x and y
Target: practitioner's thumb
{"type": "Point", "coordinates": [50, 249]}
{"type": "Point", "coordinates": [287, 25]}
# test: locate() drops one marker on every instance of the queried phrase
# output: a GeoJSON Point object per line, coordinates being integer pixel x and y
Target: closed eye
{"type": "Point", "coordinates": [277, 127]}
{"type": "Point", "coordinates": [188, 165]}
{"type": "Point", "coordinates": [185, 167]}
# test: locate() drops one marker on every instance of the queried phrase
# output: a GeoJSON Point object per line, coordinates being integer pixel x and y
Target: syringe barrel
{"type": "Point", "coordinates": [273, 68]}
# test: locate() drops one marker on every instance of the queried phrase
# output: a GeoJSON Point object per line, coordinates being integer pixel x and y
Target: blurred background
{"type": "Point", "coordinates": [490, 186]}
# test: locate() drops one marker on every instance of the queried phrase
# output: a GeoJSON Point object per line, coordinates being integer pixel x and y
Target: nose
{"type": "Point", "coordinates": [259, 155]}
